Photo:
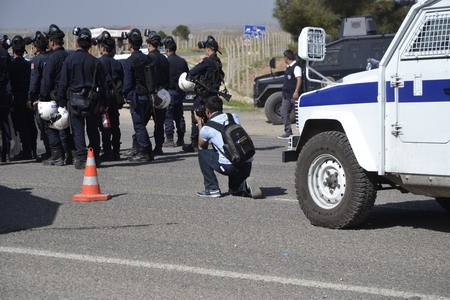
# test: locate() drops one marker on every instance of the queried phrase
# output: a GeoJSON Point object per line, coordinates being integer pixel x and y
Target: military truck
{"type": "Point", "coordinates": [386, 128]}
{"type": "Point", "coordinates": [359, 40]}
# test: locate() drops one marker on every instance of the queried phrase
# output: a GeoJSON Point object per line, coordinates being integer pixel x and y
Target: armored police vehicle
{"type": "Point", "coordinates": [383, 128]}
{"type": "Point", "coordinates": [358, 40]}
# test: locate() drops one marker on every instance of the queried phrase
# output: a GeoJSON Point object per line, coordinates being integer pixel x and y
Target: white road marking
{"type": "Point", "coordinates": [219, 273]}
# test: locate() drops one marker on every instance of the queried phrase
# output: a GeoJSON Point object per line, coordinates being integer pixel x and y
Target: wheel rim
{"type": "Point", "coordinates": [326, 181]}
{"type": "Point", "coordinates": [278, 109]}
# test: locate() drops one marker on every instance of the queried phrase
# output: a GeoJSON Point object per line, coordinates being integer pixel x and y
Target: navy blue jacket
{"type": "Point", "coordinates": [162, 68]}
{"type": "Point", "coordinates": [129, 79]}
{"type": "Point", "coordinates": [19, 78]}
{"type": "Point", "coordinates": [51, 72]}
{"type": "Point", "coordinates": [177, 66]}
{"type": "Point", "coordinates": [77, 73]}
{"type": "Point", "coordinates": [37, 70]}
{"type": "Point", "coordinates": [5, 61]}
{"type": "Point", "coordinates": [114, 72]}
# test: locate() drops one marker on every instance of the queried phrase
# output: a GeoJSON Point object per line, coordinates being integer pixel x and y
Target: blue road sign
{"type": "Point", "coordinates": [254, 31]}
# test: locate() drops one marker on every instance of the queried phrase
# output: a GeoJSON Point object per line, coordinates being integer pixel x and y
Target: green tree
{"type": "Point", "coordinates": [162, 34]}
{"type": "Point", "coordinates": [182, 31]}
{"type": "Point", "coordinates": [294, 15]}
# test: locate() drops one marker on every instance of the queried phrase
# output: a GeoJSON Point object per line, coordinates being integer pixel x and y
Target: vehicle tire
{"type": "Point", "coordinates": [272, 109]}
{"type": "Point", "coordinates": [444, 202]}
{"type": "Point", "coordinates": [332, 189]}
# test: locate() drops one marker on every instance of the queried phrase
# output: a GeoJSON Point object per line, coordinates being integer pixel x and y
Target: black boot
{"type": "Point", "coordinates": [23, 155]}
{"type": "Point", "coordinates": [169, 142]}
{"type": "Point", "coordinates": [143, 155]}
{"type": "Point", "coordinates": [69, 155]}
{"type": "Point", "coordinates": [46, 154]}
{"type": "Point", "coordinates": [79, 161]}
{"type": "Point", "coordinates": [158, 150]}
{"type": "Point", "coordinates": [192, 147]}
{"type": "Point", "coordinates": [180, 141]}
{"type": "Point", "coordinates": [57, 158]}
{"type": "Point", "coordinates": [133, 151]}
{"type": "Point", "coordinates": [6, 147]}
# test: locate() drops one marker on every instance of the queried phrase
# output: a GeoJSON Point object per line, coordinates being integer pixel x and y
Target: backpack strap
{"type": "Point", "coordinates": [219, 127]}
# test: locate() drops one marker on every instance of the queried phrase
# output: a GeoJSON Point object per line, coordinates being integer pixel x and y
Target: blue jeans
{"type": "Point", "coordinates": [209, 162]}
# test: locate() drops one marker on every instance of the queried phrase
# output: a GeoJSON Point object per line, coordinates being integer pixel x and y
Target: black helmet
{"type": "Point", "coordinates": [39, 40]}
{"type": "Point", "coordinates": [134, 37]}
{"type": "Point", "coordinates": [55, 34]}
{"type": "Point", "coordinates": [153, 38]}
{"type": "Point", "coordinates": [169, 43]}
{"type": "Point", "coordinates": [106, 40]}
{"type": "Point", "coordinates": [210, 42]}
{"type": "Point", "coordinates": [18, 43]}
{"type": "Point", "coordinates": [83, 34]}
{"type": "Point", "coordinates": [5, 42]}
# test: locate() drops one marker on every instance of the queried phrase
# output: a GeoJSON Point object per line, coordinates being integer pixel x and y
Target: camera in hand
{"type": "Point", "coordinates": [200, 110]}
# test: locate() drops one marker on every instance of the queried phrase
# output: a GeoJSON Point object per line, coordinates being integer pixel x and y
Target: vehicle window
{"type": "Point", "coordinates": [432, 38]}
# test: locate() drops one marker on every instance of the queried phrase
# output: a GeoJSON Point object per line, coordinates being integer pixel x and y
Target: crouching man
{"type": "Point", "coordinates": [210, 160]}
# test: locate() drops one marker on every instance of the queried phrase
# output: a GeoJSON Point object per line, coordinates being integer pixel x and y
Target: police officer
{"type": "Point", "coordinates": [82, 74]}
{"type": "Point", "coordinates": [177, 66]}
{"type": "Point", "coordinates": [291, 90]}
{"type": "Point", "coordinates": [111, 137]}
{"type": "Point", "coordinates": [209, 72]}
{"type": "Point", "coordinates": [22, 116]}
{"type": "Point", "coordinates": [136, 92]}
{"type": "Point", "coordinates": [60, 141]}
{"type": "Point", "coordinates": [39, 48]}
{"type": "Point", "coordinates": [161, 65]}
{"type": "Point", "coordinates": [5, 97]}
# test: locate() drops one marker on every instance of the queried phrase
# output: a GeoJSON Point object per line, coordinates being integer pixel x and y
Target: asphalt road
{"type": "Point", "coordinates": [155, 239]}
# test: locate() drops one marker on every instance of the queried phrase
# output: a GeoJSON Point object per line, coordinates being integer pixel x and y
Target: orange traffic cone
{"type": "Point", "coordinates": [91, 189]}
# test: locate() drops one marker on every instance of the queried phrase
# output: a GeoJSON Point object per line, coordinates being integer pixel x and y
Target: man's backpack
{"type": "Point", "coordinates": [237, 145]}
{"type": "Point", "coordinates": [145, 75]}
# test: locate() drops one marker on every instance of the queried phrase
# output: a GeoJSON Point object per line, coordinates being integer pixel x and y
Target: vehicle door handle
{"type": "Point", "coordinates": [447, 91]}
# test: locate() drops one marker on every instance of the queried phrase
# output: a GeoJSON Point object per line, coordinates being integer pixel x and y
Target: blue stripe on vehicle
{"type": "Point", "coordinates": [433, 91]}
{"type": "Point", "coordinates": [342, 94]}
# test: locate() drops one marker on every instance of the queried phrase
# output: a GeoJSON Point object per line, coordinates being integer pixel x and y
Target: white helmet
{"type": "Point", "coordinates": [46, 109]}
{"type": "Point", "coordinates": [60, 120]}
{"type": "Point", "coordinates": [184, 84]}
{"type": "Point", "coordinates": [162, 99]}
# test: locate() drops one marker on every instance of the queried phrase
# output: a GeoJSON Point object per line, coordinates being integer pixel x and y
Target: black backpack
{"type": "Point", "coordinates": [237, 145]}
{"type": "Point", "coordinates": [144, 74]}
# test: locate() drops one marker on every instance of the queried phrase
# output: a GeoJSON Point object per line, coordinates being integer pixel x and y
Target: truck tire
{"type": "Point", "coordinates": [444, 202]}
{"type": "Point", "coordinates": [332, 189]}
{"type": "Point", "coordinates": [272, 109]}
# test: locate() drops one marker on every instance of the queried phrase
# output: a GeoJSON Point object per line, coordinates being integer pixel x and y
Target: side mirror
{"type": "Point", "coordinates": [272, 62]}
{"type": "Point", "coordinates": [311, 44]}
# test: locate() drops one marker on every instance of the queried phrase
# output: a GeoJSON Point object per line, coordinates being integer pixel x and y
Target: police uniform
{"type": "Point", "coordinates": [139, 101]}
{"type": "Point", "coordinates": [37, 69]}
{"type": "Point", "coordinates": [5, 61]}
{"type": "Point", "coordinates": [205, 71]}
{"type": "Point", "coordinates": [77, 74]}
{"type": "Point", "coordinates": [111, 137]}
{"type": "Point", "coordinates": [162, 81]}
{"type": "Point", "coordinates": [60, 141]}
{"type": "Point", "coordinates": [175, 112]}
{"type": "Point", "coordinates": [22, 117]}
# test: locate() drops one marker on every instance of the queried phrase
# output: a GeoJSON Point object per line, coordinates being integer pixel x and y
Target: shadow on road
{"type": "Point", "coordinates": [19, 210]}
{"type": "Point", "coordinates": [425, 214]}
